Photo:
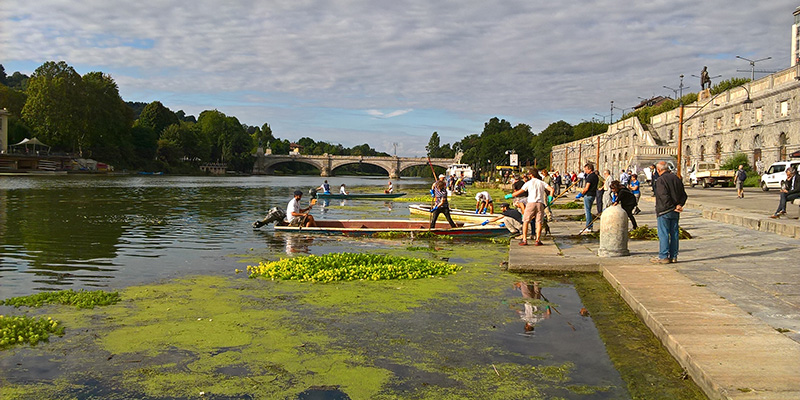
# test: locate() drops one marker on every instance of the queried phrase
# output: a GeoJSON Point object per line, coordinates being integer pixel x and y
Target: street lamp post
{"type": "Point", "coordinates": [753, 65]}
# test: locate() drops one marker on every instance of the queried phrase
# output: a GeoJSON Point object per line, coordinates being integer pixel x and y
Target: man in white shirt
{"type": "Point", "coordinates": [297, 216]}
{"type": "Point", "coordinates": [484, 202]}
{"type": "Point", "coordinates": [537, 198]}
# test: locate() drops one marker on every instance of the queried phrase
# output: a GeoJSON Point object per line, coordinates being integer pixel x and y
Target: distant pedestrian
{"type": "Point", "coordinates": [653, 177]}
{"type": "Point", "coordinates": [670, 199]}
{"type": "Point", "coordinates": [739, 179]}
{"type": "Point", "coordinates": [789, 193]}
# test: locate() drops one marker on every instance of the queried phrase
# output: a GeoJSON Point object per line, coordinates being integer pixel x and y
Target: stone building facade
{"type": "Point", "coordinates": [760, 119]}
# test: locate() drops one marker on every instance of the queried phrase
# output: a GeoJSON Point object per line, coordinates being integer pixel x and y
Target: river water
{"type": "Point", "coordinates": [112, 232]}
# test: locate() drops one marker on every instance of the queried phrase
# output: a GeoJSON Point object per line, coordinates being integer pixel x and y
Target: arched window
{"type": "Point", "coordinates": [736, 146]}
{"type": "Point", "coordinates": [717, 151]}
{"type": "Point", "coordinates": [687, 157]}
{"type": "Point", "coordinates": [782, 147]}
{"type": "Point", "coordinates": [702, 152]}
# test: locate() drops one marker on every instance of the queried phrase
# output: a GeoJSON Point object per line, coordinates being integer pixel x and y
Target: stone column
{"type": "Point", "coordinates": [613, 233]}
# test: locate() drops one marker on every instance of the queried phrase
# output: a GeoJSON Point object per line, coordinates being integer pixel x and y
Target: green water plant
{"type": "Point", "coordinates": [69, 297]}
{"type": "Point", "coordinates": [350, 266]}
{"type": "Point", "coordinates": [414, 235]}
{"type": "Point", "coordinates": [645, 232]}
{"type": "Point", "coordinates": [16, 330]}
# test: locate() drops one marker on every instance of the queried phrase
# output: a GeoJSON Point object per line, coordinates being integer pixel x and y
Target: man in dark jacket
{"type": "Point", "coordinates": [670, 199]}
{"type": "Point", "coordinates": [788, 193]}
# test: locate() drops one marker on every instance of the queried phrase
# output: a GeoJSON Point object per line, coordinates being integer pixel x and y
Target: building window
{"type": "Point", "coordinates": [689, 130]}
{"type": "Point", "coordinates": [702, 152]}
{"type": "Point", "coordinates": [759, 114]}
{"type": "Point", "coordinates": [785, 108]}
{"type": "Point", "coordinates": [671, 134]}
{"type": "Point", "coordinates": [702, 127]}
{"type": "Point", "coordinates": [719, 123]}
{"type": "Point", "coordinates": [736, 146]}
{"type": "Point", "coordinates": [717, 152]}
{"type": "Point", "coordinates": [782, 147]}
{"type": "Point", "coordinates": [737, 119]}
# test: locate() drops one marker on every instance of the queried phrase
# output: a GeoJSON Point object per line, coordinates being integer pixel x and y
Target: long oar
{"type": "Point", "coordinates": [433, 199]}
{"type": "Point", "coordinates": [591, 223]}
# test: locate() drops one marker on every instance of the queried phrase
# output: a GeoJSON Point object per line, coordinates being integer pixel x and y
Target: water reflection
{"type": "Point", "coordinates": [531, 314]}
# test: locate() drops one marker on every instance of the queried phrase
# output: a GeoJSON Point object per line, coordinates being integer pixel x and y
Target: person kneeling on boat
{"type": "Point", "coordinates": [297, 216]}
{"type": "Point", "coordinates": [342, 190]}
{"type": "Point", "coordinates": [440, 204]}
{"type": "Point", "coordinates": [512, 219]}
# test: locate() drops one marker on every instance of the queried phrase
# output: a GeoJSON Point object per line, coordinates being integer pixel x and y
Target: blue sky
{"type": "Point", "coordinates": [354, 72]}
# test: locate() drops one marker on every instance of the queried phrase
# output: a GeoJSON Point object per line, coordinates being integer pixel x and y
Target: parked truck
{"type": "Point", "coordinates": [709, 174]}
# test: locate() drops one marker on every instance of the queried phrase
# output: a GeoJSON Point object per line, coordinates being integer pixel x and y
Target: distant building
{"type": "Point", "coordinates": [651, 102]}
{"type": "Point", "coordinates": [294, 148]}
{"type": "Point", "coordinates": [760, 119]}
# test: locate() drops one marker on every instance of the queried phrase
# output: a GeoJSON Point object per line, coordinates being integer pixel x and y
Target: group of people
{"type": "Point", "coordinates": [533, 192]}
{"type": "Point", "coordinates": [326, 188]}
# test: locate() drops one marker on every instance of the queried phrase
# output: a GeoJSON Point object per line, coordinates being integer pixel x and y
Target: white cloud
{"type": "Point", "coordinates": [381, 114]}
{"type": "Point", "coordinates": [531, 61]}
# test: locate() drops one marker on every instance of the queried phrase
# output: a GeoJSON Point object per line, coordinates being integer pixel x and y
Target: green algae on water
{"type": "Point", "coordinates": [80, 299]}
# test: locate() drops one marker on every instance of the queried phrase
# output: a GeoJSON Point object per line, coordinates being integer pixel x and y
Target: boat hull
{"type": "Point", "coordinates": [424, 211]}
{"type": "Point", "coordinates": [370, 227]}
{"type": "Point", "coordinates": [359, 195]}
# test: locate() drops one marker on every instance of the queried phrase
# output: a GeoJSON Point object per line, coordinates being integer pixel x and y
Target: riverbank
{"type": "Point", "coordinates": [727, 311]}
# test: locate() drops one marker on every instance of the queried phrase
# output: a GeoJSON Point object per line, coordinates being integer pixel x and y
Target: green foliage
{"type": "Point", "coordinates": [489, 149]}
{"type": "Point", "coordinates": [728, 84]}
{"type": "Point", "coordinates": [23, 329]}
{"type": "Point", "coordinates": [752, 181]}
{"type": "Point", "coordinates": [350, 266]}
{"type": "Point", "coordinates": [12, 100]}
{"type": "Point", "coordinates": [733, 162]}
{"type": "Point", "coordinates": [644, 232]}
{"type": "Point", "coordinates": [156, 117]}
{"type": "Point", "coordinates": [80, 299]}
{"type": "Point", "coordinates": [230, 142]}
{"type": "Point", "coordinates": [55, 105]}
{"type": "Point", "coordinates": [107, 122]}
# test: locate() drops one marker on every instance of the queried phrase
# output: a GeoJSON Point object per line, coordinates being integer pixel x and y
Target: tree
{"type": "Point", "coordinates": [156, 117]}
{"type": "Point", "coordinates": [12, 100]}
{"type": "Point", "coordinates": [54, 108]}
{"type": "Point", "coordinates": [433, 146]}
{"type": "Point", "coordinates": [107, 120]}
{"type": "Point", "coordinates": [229, 140]}
{"type": "Point", "coordinates": [728, 84]}
{"type": "Point", "coordinates": [3, 76]}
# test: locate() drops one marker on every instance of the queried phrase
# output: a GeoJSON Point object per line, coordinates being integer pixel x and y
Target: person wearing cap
{"type": "Point", "coordinates": [297, 216]}
{"type": "Point", "coordinates": [484, 202]}
{"type": "Point", "coordinates": [512, 219]}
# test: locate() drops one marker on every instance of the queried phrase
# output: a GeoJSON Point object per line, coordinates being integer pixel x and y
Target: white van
{"type": "Point", "coordinates": [775, 176]}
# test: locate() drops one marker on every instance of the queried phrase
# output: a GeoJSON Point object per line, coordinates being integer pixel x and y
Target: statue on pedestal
{"type": "Point", "coordinates": [704, 79]}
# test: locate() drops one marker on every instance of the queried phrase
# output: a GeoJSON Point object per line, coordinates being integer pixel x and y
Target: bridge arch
{"type": "Point", "coordinates": [265, 163]}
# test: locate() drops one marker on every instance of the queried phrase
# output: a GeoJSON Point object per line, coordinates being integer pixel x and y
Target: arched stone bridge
{"type": "Point", "coordinates": [265, 163]}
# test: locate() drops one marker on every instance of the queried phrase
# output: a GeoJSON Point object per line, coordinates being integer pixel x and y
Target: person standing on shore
{"type": "Point", "coordinates": [588, 192]}
{"type": "Point", "coordinates": [633, 185]}
{"type": "Point", "coordinates": [537, 198]}
{"type": "Point", "coordinates": [670, 199]}
{"type": "Point", "coordinates": [739, 179]}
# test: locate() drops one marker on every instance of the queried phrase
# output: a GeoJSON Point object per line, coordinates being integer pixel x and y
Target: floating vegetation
{"type": "Point", "coordinates": [349, 267]}
{"type": "Point", "coordinates": [572, 205]}
{"type": "Point", "coordinates": [24, 329]}
{"type": "Point", "coordinates": [644, 232]}
{"type": "Point", "coordinates": [414, 199]}
{"type": "Point", "coordinates": [500, 240]}
{"type": "Point", "coordinates": [80, 299]}
{"type": "Point", "coordinates": [413, 235]}
{"type": "Point", "coordinates": [418, 248]}
{"type": "Point", "coordinates": [581, 217]}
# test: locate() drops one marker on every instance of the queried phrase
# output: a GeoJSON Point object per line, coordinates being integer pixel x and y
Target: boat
{"type": "Point", "coordinates": [365, 227]}
{"type": "Point", "coordinates": [423, 210]}
{"type": "Point", "coordinates": [460, 170]}
{"type": "Point", "coordinates": [359, 196]}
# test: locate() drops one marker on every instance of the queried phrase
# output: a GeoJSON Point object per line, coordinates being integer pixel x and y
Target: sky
{"type": "Point", "coordinates": [391, 73]}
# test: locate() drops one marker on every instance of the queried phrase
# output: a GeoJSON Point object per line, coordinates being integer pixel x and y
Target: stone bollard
{"type": "Point", "coordinates": [613, 233]}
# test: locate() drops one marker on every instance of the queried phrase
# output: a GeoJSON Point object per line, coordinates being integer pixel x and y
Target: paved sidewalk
{"type": "Point", "coordinates": [728, 311]}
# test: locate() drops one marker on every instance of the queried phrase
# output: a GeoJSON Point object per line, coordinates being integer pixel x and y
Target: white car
{"type": "Point", "coordinates": [775, 176]}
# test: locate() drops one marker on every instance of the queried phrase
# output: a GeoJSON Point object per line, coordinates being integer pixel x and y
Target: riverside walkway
{"type": "Point", "coordinates": [728, 311]}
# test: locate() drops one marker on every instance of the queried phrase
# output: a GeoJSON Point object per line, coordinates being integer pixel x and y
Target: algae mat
{"type": "Point", "coordinates": [457, 336]}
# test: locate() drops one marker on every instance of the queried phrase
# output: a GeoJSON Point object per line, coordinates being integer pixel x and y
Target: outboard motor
{"type": "Point", "coordinates": [313, 193]}
{"type": "Point", "coordinates": [274, 214]}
